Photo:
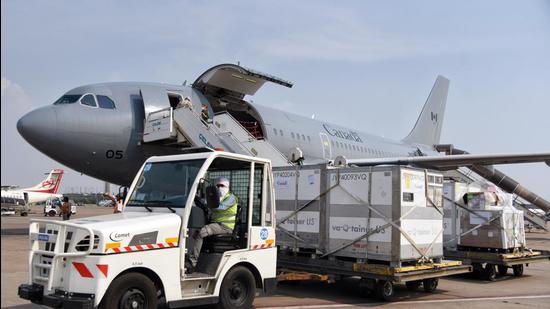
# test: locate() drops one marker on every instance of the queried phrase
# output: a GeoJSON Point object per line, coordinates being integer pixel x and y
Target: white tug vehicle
{"type": "Point", "coordinates": [137, 258]}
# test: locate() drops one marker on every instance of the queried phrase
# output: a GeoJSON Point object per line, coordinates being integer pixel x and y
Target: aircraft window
{"type": "Point", "coordinates": [292, 134]}
{"type": "Point", "coordinates": [303, 137]}
{"type": "Point", "coordinates": [105, 102]}
{"type": "Point", "coordinates": [68, 99]}
{"type": "Point", "coordinates": [354, 148]}
{"type": "Point", "coordinates": [281, 132]}
{"type": "Point", "coordinates": [275, 131]}
{"type": "Point", "coordinates": [309, 139]}
{"type": "Point", "coordinates": [88, 100]}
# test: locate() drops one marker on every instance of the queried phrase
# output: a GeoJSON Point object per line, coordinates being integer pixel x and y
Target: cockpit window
{"type": "Point", "coordinates": [68, 99]}
{"type": "Point", "coordinates": [88, 100]}
{"type": "Point", "coordinates": [105, 102]}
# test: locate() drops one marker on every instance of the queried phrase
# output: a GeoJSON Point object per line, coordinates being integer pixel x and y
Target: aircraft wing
{"type": "Point", "coordinates": [449, 162]}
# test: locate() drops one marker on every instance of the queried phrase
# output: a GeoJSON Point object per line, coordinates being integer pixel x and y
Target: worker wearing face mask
{"type": "Point", "coordinates": [222, 220]}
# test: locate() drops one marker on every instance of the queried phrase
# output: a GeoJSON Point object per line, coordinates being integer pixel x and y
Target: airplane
{"type": "Point", "coordinates": [41, 192]}
{"type": "Point", "coordinates": [108, 130]}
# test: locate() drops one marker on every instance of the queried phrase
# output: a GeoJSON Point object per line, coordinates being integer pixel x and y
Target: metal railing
{"type": "Point", "coordinates": [54, 239]}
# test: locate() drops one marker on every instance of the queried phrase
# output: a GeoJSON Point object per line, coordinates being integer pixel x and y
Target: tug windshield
{"type": "Point", "coordinates": [165, 184]}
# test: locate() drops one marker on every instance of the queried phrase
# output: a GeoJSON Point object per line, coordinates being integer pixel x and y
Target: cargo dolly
{"type": "Point", "coordinates": [377, 279]}
{"type": "Point", "coordinates": [487, 264]}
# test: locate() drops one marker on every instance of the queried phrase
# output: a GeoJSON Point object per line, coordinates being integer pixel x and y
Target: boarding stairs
{"type": "Point", "coordinates": [182, 127]}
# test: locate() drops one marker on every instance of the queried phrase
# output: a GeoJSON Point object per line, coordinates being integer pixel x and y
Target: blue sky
{"type": "Point", "coordinates": [363, 64]}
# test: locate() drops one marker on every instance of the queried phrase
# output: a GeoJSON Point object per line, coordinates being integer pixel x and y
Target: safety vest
{"type": "Point", "coordinates": [227, 212]}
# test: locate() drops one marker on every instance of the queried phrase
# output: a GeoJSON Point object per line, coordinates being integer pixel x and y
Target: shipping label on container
{"type": "Point", "coordinates": [413, 188]}
{"type": "Point", "coordinates": [352, 228]}
{"type": "Point", "coordinates": [306, 221]}
{"type": "Point", "coordinates": [422, 231]}
{"type": "Point", "coordinates": [308, 184]}
{"type": "Point", "coordinates": [354, 183]}
{"type": "Point", "coordinates": [381, 188]}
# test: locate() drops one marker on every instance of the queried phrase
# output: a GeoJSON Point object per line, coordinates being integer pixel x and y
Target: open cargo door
{"type": "Point", "coordinates": [234, 81]}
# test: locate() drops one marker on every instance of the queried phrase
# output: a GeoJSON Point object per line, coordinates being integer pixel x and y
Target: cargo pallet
{"type": "Point", "coordinates": [377, 279]}
{"type": "Point", "coordinates": [486, 265]}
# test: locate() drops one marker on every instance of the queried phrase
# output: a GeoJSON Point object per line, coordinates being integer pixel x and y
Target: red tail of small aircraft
{"type": "Point", "coordinates": [50, 184]}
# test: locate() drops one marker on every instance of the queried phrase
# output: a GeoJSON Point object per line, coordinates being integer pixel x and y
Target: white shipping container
{"type": "Point", "coordinates": [390, 202]}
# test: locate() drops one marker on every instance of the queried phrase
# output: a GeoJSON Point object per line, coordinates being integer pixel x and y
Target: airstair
{"type": "Point", "coordinates": [183, 127]}
{"type": "Point", "coordinates": [520, 196]}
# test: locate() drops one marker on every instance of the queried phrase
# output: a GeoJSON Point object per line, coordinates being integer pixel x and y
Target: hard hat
{"type": "Point", "coordinates": [222, 181]}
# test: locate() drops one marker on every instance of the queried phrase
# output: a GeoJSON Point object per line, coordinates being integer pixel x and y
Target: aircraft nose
{"type": "Point", "coordinates": [38, 127]}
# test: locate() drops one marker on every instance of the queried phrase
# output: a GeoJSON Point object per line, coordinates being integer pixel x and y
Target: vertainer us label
{"type": "Point", "coordinates": [356, 185]}
{"type": "Point", "coordinates": [306, 221]}
{"type": "Point", "coordinates": [352, 228]}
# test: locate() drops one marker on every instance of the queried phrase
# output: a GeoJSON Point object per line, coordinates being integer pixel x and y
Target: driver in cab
{"type": "Point", "coordinates": [222, 219]}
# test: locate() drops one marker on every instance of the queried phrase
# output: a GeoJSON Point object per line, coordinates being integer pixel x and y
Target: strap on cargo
{"type": "Point", "coordinates": [471, 212]}
{"type": "Point", "coordinates": [310, 202]}
{"type": "Point", "coordinates": [423, 257]}
{"type": "Point", "coordinates": [434, 205]}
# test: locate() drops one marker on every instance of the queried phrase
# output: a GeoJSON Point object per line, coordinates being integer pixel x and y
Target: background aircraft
{"type": "Point", "coordinates": [41, 192]}
{"type": "Point", "coordinates": [110, 129]}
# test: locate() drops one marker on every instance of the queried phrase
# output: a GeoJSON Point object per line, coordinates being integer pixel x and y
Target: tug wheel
{"type": "Point", "coordinates": [238, 289]}
{"type": "Point", "coordinates": [130, 291]}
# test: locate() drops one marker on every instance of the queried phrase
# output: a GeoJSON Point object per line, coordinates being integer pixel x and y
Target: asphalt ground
{"type": "Point", "coordinates": [532, 290]}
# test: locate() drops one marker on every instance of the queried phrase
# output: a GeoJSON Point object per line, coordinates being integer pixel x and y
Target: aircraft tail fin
{"type": "Point", "coordinates": [427, 129]}
{"type": "Point", "coordinates": [50, 184]}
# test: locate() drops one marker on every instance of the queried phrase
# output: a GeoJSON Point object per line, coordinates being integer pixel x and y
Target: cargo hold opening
{"type": "Point", "coordinates": [243, 112]}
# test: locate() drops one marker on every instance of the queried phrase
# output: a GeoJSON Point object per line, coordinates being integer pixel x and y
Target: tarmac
{"type": "Point", "coordinates": [532, 290]}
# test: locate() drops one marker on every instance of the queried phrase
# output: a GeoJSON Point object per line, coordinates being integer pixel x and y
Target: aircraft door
{"type": "Point", "coordinates": [325, 143]}
{"type": "Point", "coordinates": [154, 98]}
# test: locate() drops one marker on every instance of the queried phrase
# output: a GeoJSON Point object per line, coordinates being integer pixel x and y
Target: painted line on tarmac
{"type": "Point", "coordinates": [412, 302]}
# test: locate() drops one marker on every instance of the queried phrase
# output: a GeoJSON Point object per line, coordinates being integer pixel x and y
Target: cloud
{"type": "Point", "coordinates": [15, 97]}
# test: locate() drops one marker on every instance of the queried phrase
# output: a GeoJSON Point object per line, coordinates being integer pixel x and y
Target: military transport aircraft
{"type": "Point", "coordinates": [107, 130]}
